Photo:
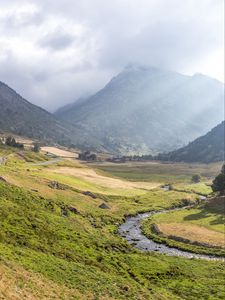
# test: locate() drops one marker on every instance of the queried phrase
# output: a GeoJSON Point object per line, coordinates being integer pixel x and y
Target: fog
{"type": "Point", "coordinates": [53, 52]}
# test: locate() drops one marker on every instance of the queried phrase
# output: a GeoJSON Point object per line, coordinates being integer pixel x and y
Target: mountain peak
{"type": "Point", "coordinates": [146, 109]}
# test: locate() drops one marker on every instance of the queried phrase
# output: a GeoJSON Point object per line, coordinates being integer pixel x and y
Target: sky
{"type": "Point", "coordinates": [53, 52]}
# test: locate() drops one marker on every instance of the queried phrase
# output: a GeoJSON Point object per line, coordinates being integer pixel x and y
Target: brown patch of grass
{"type": "Point", "coordinates": [93, 177]}
{"type": "Point", "coordinates": [59, 152]}
{"type": "Point", "coordinates": [193, 233]}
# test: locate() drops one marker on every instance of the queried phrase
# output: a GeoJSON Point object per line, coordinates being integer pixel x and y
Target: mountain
{"type": "Point", "coordinates": [21, 117]}
{"type": "Point", "coordinates": [206, 149]}
{"type": "Point", "coordinates": [147, 110]}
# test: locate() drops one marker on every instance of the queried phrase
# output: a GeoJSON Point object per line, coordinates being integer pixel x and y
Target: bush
{"type": "Point", "coordinates": [10, 141]}
{"type": "Point", "coordinates": [219, 182]}
{"type": "Point", "coordinates": [196, 178]}
{"type": "Point", "coordinates": [36, 148]}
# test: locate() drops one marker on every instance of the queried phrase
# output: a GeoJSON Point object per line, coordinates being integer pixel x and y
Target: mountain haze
{"type": "Point", "coordinates": [145, 109]}
{"type": "Point", "coordinates": [206, 149]}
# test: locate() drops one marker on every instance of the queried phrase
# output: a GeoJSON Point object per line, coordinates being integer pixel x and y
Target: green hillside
{"type": "Point", "coordinates": [57, 243]}
{"type": "Point", "coordinates": [206, 149]}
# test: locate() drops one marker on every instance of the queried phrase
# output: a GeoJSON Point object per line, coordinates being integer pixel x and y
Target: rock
{"type": "Point", "coordinates": [64, 212]}
{"type": "Point", "coordinates": [90, 194]}
{"type": "Point", "coordinates": [72, 209]}
{"type": "Point", "coordinates": [56, 185]}
{"type": "Point", "coordinates": [2, 179]}
{"type": "Point", "coordinates": [104, 206]}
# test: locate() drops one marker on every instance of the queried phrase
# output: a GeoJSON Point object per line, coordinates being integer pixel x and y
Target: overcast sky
{"type": "Point", "coordinates": [55, 51]}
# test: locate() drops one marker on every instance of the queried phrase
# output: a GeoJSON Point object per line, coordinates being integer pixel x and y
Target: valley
{"type": "Point", "coordinates": [112, 150]}
{"type": "Point", "coordinates": [58, 240]}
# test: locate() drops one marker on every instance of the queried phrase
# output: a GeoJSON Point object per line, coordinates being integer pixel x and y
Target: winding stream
{"type": "Point", "coordinates": [131, 231]}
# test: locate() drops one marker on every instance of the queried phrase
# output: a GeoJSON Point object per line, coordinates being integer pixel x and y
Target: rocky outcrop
{"type": "Point", "coordinates": [104, 206]}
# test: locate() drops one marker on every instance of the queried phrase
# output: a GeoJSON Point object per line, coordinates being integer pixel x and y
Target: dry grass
{"type": "Point", "coordinates": [91, 176]}
{"type": "Point", "coordinates": [59, 152]}
{"type": "Point", "coordinates": [194, 233]}
{"type": "Point", "coordinates": [16, 283]}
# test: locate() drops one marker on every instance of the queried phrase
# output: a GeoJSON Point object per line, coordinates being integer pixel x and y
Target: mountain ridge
{"type": "Point", "coordinates": [19, 116]}
{"type": "Point", "coordinates": [144, 110]}
{"type": "Point", "coordinates": [205, 149]}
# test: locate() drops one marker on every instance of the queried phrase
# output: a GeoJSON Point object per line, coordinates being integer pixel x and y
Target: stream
{"type": "Point", "coordinates": [131, 231]}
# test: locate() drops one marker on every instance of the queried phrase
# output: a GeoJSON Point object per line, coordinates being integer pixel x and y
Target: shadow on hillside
{"type": "Point", "coordinates": [201, 215]}
{"type": "Point", "coordinates": [214, 206]}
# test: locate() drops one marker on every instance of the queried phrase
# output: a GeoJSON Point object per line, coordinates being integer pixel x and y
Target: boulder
{"type": "Point", "coordinates": [90, 194]}
{"type": "Point", "coordinates": [2, 179]}
{"type": "Point", "coordinates": [72, 209]}
{"type": "Point", "coordinates": [56, 185]}
{"type": "Point", "coordinates": [104, 206]}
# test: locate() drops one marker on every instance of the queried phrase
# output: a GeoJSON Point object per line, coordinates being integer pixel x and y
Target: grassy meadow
{"type": "Point", "coordinates": [57, 243]}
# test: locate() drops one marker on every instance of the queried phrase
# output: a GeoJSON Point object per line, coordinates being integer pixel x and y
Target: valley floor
{"type": "Point", "coordinates": [57, 242]}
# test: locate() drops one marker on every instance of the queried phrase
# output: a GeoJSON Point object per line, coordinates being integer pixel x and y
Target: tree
{"type": "Point", "coordinates": [219, 182]}
{"type": "Point", "coordinates": [196, 178]}
{"type": "Point", "coordinates": [36, 148]}
{"type": "Point", "coordinates": [10, 141]}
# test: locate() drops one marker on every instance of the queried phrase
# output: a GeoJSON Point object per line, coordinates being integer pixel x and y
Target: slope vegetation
{"type": "Point", "coordinates": [58, 243]}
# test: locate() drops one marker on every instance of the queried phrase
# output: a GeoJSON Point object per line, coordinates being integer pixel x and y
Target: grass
{"type": "Point", "coordinates": [193, 233]}
{"type": "Point", "coordinates": [202, 188]}
{"type": "Point", "coordinates": [160, 172]}
{"type": "Point", "coordinates": [49, 255]}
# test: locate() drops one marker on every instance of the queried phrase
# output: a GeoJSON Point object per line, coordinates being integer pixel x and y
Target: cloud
{"type": "Point", "coordinates": [57, 40]}
{"type": "Point", "coordinates": [53, 52]}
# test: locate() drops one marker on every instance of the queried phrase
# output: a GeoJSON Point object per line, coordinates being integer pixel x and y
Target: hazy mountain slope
{"type": "Point", "coordinates": [206, 149]}
{"type": "Point", "coordinates": [146, 110]}
{"type": "Point", "coordinates": [21, 117]}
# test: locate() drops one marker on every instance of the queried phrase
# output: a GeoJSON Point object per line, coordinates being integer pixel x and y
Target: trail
{"type": "Point", "coordinates": [48, 162]}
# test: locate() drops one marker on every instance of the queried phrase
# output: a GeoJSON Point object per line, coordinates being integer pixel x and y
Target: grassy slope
{"type": "Point", "coordinates": [81, 254]}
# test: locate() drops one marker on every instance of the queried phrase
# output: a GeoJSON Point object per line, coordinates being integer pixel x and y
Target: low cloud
{"type": "Point", "coordinates": [53, 52]}
{"type": "Point", "coordinates": [57, 40]}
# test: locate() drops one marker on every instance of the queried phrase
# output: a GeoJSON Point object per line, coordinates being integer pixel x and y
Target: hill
{"type": "Point", "coordinates": [205, 149]}
{"type": "Point", "coordinates": [59, 233]}
{"type": "Point", "coordinates": [147, 110]}
{"type": "Point", "coordinates": [19, 116]}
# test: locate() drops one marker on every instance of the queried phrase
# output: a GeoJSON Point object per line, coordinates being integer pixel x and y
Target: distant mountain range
{"type": "Point", "coordinates": [206, 149]}
{"type": "Point", "coordinates": [140, 111]}
{"type": "Point", "coordinates": [23, 118]}
{"type": "Point", "coordinates": [147, 110]}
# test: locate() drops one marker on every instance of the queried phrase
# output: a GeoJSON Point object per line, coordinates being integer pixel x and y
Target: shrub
{"type": "Point", "coordinates": [196, 178]}
{"type": "Point", "coordinates": [219, 182]}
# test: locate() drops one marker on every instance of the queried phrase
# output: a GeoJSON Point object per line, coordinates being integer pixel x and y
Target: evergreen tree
{"type": "Point", "coordinates": [196, 178]}
{"type": "Point", "coordinates": [219, 182]}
